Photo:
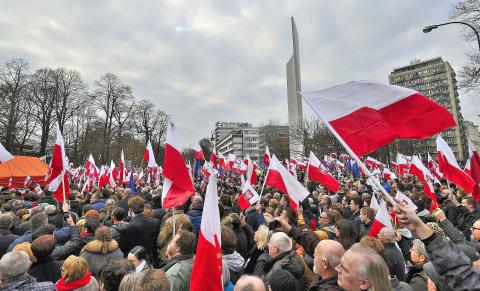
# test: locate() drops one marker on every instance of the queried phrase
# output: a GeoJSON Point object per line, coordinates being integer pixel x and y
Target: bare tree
{"type": "Point", "coordinates": [13, 82]}
{"type": "Point", "coordinates": [43, 93]}
{"type": "Point", "coordinates": [109, 95]}
{"type": "Point", "coordinates": [468, 11]}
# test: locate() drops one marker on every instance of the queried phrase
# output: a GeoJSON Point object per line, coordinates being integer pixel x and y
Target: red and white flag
{"type": "Point", "coordinates": [404, 198]}
{"type": "Point", "coordinates": [418, 169]}
{"type": "Point", "coordinates": [231, 160]}
{"type": "Point", "coordinates": [300, 165]}
{"type": "Point", "coordinates": [369, 115]}
{"type": "Point", "coordinates": [177, 184]}
{"type": "Point", "coordinates": [207, 266]}
{"type": "Point", "coordinates": [149, 157]}
{"type": "Point", "coordinates": [112, 173]}
{"type": "Point", "coordinates": [433, 167]}
{"type": "Point", "coordinates": [449, 167]}
{"type": "Point", "coordinates": [372, 163]}
{"type": "Point", "coordinates": [222, 161]}
{"type": "Point", "coordinates": [279, 177]}
{"type": "Point", "coordinates": [123, 172]}
{"type": "Point", "coordinates": [402, 164]}
{"type": "Point", "coordinates": [103, 177]}
{"type": "Point", "coordinates": [317, 172]}
{"type": "Point", "coordinates": [266, 157]}
{"type": "Point", "coordinates": [467, 169]}
{"type": "Point", "coordinates": [474, 166]}
{"type": "Point", "coordinates": [58, 170]}
{"type": "Point", "coordinates": [374, 203]}
{"type": "Point", "coordinates": [250, 172]}
{"type": "Point", "coordinates": [5, 155]}
{"type": "Point", "coordinates": [213, 159]}
{"type": "Point", "coordinates": [248, 197]}
{"type": "Point", "coordinates": [198, 152]}
{"type": "Point", "coordinates": [382, 219]}
{"type": "Point", "coordinates": [388, 175]}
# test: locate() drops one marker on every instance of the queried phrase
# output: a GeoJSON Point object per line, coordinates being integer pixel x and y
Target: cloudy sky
{"type": "Point", "coordinates": [210, 60]}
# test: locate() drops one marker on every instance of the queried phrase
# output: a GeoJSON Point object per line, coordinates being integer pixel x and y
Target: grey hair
{"type": "Point", "coordinates": [197, 199]}
{"type": "Point", "coordinates": [38, 220]}
{"type": "Point", "coordinates": [420, 247]}
{"type": "Point", "coordinates": [14, 264]}
{"type": "Point", "coordinates": [6, 221]}
{"type": "Point", "coordinates": [332, 260]}
{"type": "Point", "coordinates": [130, 281]}
{"type": "Point", "coordinates": [388, 234]}
{"type": "Point", "coordinates": [282, 241]}
{"type": "Point", "coordinates": [372, 267]}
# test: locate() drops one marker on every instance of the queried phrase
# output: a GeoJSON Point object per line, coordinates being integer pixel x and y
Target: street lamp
{"type": "Point", "coordinates": [429, 28]}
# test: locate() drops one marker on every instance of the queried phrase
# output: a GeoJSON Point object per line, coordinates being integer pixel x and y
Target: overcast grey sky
{"type": "Point", "coordinates": [204, 61]}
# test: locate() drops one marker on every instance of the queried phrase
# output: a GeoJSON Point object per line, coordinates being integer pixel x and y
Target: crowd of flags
{"type": "Point", "coordinates": [363, 116]}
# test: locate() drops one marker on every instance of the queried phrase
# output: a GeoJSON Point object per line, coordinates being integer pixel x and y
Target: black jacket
{"type": "Point", "coordinates": [394, 259]}
{"type": "Point", "coordinates": [46, 269]}
{"type": "Point", "coordinates": [123, 203]}
{"type": "Point", "coordinates": [6, 238]}
{"type": "Point", "coordinates": [329, 284]}
{"type": "Point", "coordinates": [141, 231]}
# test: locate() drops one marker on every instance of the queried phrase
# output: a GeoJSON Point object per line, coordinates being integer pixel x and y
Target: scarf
{"type": "Point", "coordinates": [62, 285]}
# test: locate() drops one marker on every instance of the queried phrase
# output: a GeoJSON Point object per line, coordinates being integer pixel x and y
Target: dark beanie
{"type": "Point", "coordinates": [282, 280]}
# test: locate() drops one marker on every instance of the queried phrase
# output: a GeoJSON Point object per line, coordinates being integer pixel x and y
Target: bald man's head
{"type": "Point", "coordinates": [249, 283]}
{"type": "Point", "coordinates": [327, 256]}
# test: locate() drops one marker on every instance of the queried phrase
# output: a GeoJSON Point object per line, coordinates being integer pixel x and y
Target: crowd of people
{"type": "Point", "coordinates": [108, 239]}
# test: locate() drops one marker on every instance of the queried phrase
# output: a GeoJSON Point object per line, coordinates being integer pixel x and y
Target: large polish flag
{"type": "Point", "coordinates": [5, 155]}
{"type": "Point", "coordinates": [177, 185]}
{"type": "Point", "coordinates": [58, 170]}
{"type": "Point", "coordinates": [382, 219]}
{"type": "Point", "coordinates": [148, 156]}
{"type": "Point", "coordinates": [248, 197]}
{"type": "Point", "coordinates": [448, 165]}
{"type": "Point", "coordinates": [317, 172]}
{"type": "Point", "coordinates": [418, 169]}
{"type": "Point", "coordinates": [474, 166]}
{"type": "Point", "coordinates": [266, 157]}
{"type": "Point", "coordinates": [279, 177]}
{"type": "Point", "coordinates": [198, 152]}
{"type": "Point", "coordinates": [402, 164]}
{"type": "Point", "coordinates": [112, 173]}
{"type": "Point", "coordinates": [207, 266]}
{"type": "Point", "coordinates": [369, 115]}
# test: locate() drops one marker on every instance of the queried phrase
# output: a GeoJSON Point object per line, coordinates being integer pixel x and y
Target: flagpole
{"type": "Point", "coordinates": [63, 186]}
{"type": "Point", "coordinates": [264, 181]}
{"type": "Point", "coordinates": [353, 155]}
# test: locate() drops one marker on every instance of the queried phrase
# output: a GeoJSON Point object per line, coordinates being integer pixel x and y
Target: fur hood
{"type": "Point", "coordinates": [100, 247]}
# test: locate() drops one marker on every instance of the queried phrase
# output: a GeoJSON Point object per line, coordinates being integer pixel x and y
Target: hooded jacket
{"type": "Point", "coordinates": [26, 282]}
{"type": "Point", "coordinates": [235, 264]}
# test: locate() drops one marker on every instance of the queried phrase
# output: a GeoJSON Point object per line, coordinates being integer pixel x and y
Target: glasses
{"type": "Point", "coordinates": [474, 228]}
{"type": "Point", "coordinates": [323, 217]}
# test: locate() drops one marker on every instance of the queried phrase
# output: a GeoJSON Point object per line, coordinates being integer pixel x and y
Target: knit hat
{"type": "Point", "coordinates": [282, 280]}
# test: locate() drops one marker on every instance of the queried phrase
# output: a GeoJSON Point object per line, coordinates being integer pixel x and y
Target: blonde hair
{"type": "Point", "coordinates": [372, 243]}
{"type": "Point", "coordinates": [27, 248]}
{"type": "Point", "coordinates": [74, 268]}
{"type": "Point", "coordinates": [264, 234]}
{"type": "Point", "coordinates": [80, 225]}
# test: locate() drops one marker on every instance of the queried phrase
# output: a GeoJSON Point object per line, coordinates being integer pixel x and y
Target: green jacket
{"type": "Point", "coordinates": [179, 275]}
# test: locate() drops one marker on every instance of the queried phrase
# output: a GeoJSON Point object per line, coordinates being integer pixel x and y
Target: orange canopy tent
{"type": "Point", "coordinates": [19, 168]}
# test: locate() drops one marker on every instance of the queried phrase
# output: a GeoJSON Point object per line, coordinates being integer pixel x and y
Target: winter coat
{"type": "Point", "coordinates": [80, 284]}
{"type": "Point", "coordinates": [46, 269]}
{"type": "Point", "coordinates": [60, 235]}
{"type": "Point", "coordinates": [451, 263]}
{"type": "Point", "coordinates": [364, 229]}
{"type": "Point", "coordinates": [417, 278]}
{"type": "Point", "coordinates": [252, 258]}
{"type": "Point", "coordinates": [6, 238]}
{"type": "Point", "coordinates": [456, 235]}
{"type": "Point", "coordinates": [399, 286]}
{"type": "Point", "coordinates": [356, 222]}
{"type": "Point", "coordinates": [26, 282]}
{"type": "Point", "coordinates": [92, 252]}
{"type": "Point", "coordinates": [287, 261]}
{"type": "Point", "coordinates": [195, 215]}
{"type": "Point", "coordinates": [98, 205]}
{"type": "Point", "coordinates": [394, 259]}
{"type": "Point", "coordinates": [72, 247]}
{"type": "Point", "coordinates": [466, 219]}
{"type": "Point", "coordinates": [235, 264]}
{"type": "Point", "coordinates": [123, 203]}
{"type": "Point", "coordinates": [328, 284]}
{"type": "Point", "coordinates": [141, 231]}
{"type": "Point", "coordinates": [251, 218]}
{"type": "Point", "coordinates": [48, 199]}
{"type": "Point", "coordinates": [179, 271]}
{"type": "Point", "coordinates": [117, 230]}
